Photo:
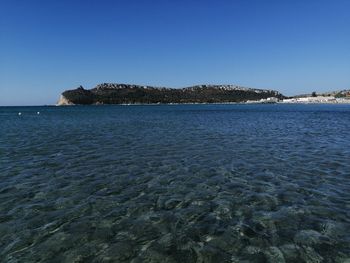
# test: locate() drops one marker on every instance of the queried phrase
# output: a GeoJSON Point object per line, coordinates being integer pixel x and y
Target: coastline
{"type": "Point", "coordinates": [205, 103]}
{"type": "Point", "coordinates": [175, 104]}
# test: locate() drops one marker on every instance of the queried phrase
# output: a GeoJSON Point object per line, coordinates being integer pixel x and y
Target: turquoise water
{"type": "Point", "coordinates": [176, 183]}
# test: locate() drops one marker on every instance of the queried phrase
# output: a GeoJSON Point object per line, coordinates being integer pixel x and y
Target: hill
{"type": "Point", "coordinates": [111, 93]}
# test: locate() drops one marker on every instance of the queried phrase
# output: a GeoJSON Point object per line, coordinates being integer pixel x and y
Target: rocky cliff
{"type": "Point", "coordinates": [111, 93]}
{"type": "Point", "coordinates": [63, 101]}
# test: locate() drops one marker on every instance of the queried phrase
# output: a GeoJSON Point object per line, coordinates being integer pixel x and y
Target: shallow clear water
{"type": "Point", "coordinates": [184, 183]}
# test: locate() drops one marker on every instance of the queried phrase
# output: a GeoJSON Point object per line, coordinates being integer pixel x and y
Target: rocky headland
{"type": "Point", "coordinates": [112, 93]}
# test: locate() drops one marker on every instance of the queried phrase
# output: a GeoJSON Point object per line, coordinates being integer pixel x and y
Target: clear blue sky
{"type": "Point", "coordinates": [293, 46]}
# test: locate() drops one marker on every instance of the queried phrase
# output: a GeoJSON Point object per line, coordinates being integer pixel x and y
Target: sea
{"type": "Point", "coordinates": [175, 183]}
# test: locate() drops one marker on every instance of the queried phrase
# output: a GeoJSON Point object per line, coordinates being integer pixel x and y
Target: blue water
{"type": "Point", "coordinates": [176, 183]}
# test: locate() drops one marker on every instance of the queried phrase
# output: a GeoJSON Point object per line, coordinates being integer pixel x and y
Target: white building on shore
{"type": "Point", "coordinates": [317, 99]}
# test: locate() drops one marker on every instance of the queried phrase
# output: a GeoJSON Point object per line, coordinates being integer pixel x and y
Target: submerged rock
{"type": "Point", "coordinates": [121, 251]}
{"type": "Point", "coordinates": [167, 241]}
{"type": "Point", "coordinates": [309, 255]}
{"type": "Point", "coordinates": [308, 237]}
{"type": "Point", "coordinates": [274, 255]}
{"type": "Point", "coordinates": [290, 252]}
{"type": "Point", "coordinates": [208, 254]}
{"type": "Point", "coordinates": [172, 203]}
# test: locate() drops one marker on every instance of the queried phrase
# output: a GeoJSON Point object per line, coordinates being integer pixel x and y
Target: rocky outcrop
{"type": "Point", "coordinates": [112, 93]}
{"type": "Point", "coordinates": [63, 101]}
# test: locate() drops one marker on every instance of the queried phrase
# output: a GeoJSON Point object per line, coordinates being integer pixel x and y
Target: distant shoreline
{"type": "Point", "coordinates": [176, 104]}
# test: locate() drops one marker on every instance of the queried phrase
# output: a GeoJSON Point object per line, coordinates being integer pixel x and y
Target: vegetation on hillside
{"type": "Point", "coordinates": [131, 94]}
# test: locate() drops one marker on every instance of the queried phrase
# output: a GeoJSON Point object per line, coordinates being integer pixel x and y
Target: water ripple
{"type": "Point", "coordinates": [191, 183]}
